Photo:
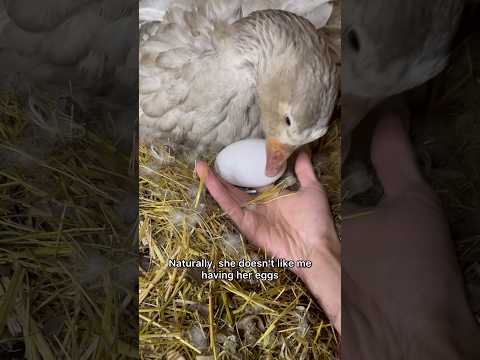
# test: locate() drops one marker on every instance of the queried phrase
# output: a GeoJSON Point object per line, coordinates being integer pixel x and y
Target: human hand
{"type": "Point", "coordinates": [295, 226]}
{"type": "Point", "coordinates": [402, 286]}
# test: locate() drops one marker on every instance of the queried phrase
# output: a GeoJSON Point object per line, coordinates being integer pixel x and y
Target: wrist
{"type": "Point", "coordinates": [325, 259]}
{"type": "Point", "coordinates": [325, 253]}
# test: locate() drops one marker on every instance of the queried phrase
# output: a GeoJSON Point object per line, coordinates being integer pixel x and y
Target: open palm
{"type": "Point", "coordinates": [293, 226]}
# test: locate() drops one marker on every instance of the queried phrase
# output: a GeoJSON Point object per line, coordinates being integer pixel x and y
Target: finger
{"type": "Point", "coordinates": [239, 195]}
{"type": "Point", "coordinates": [220, 193]}
{"type": "Point", "coordinates": [304, 170]}
{"type": "Point", "coordinates": [201, 168]}
{"type": "Point", "coordinates": [393, 156]}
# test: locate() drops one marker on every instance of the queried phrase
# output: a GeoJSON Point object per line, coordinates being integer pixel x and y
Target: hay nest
{"type": "Point", "coordinates": [183, 316]}
{"type": "Point", "coordinates": [62, 245]}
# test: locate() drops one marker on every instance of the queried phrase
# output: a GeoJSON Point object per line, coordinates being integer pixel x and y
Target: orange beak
{"type": "Point", "coordinates": [277, 155]}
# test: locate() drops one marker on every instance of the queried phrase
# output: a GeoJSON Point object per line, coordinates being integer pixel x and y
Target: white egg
{"type": "Point", "coordinates": [243, 164]}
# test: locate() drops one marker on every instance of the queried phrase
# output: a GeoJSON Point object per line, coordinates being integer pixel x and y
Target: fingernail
{"type": "Point", "coordinates": [204, 174]}
{"type": "Point", "coordinates": [202, 171]}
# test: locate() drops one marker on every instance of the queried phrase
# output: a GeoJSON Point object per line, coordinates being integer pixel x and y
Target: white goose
{"type": "Point", "coordinates": [390, 46]}
{"type": "Point", "coordinates": [216, 71]}
{"type": "Point", "coordinates": [83, 43]}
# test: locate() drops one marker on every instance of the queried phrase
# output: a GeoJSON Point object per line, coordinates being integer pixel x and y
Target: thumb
{"type": "Point", "coordinates": [220, 193]}
{"type": "Point", "coordinates": [304, 170]}
{"type": "Point", "coordinates": [393, 156]}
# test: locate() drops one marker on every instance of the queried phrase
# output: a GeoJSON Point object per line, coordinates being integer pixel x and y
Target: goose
{"type": "Point", "coordinates": [212, 72]}
{"type": "Point", "coordinates": [83, 54]}
{"type": "Point", "coordinates": [84, 44]}
{"type": "Point", "coordinates": [390, 46]}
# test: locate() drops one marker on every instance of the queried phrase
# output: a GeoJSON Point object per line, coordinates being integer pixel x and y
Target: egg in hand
{"type": "Point", "coordinates": [243, 164]}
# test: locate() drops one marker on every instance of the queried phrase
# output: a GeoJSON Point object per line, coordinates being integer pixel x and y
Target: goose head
{"type": "Point", "coordinates": [392, 46]}
{"type": "Point", "coordinates": [296, 81]}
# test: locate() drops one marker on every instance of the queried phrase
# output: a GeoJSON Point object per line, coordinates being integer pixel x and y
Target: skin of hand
{"type": "Point", "coordinates": [295, 226]}
{"type": "Point", "coordinates": [403, 294]}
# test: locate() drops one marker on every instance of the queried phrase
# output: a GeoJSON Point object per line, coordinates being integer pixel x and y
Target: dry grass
{"type": "Point", "coordinates": [185, 317]}
{"type": "Point", "coordinates": [68, 262]}
{"type": "Point", "coordinates": [62, 246]}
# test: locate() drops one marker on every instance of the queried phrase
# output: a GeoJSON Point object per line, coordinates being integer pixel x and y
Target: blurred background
{"type": "Point", "coordinates": [445, 130]}
{"type": "Point", "coordinates": [68, 179]}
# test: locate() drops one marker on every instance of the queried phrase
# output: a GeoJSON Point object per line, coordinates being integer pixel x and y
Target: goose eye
{"type": "Point", "coordinates": [288, 121]}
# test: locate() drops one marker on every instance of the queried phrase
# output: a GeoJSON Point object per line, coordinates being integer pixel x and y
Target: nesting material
{"type": "Point", "coordinates": [59, 262]}
{"type": "Point", "coordinates": [183, 316]}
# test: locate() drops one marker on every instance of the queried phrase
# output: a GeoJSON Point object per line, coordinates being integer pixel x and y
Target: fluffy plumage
{"type": "Point", "coordinates": [390, 46]}
{"type": "Point", "coordinates": [87, 43]}
{"type": "Point", "coordinates": [210, 76]}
